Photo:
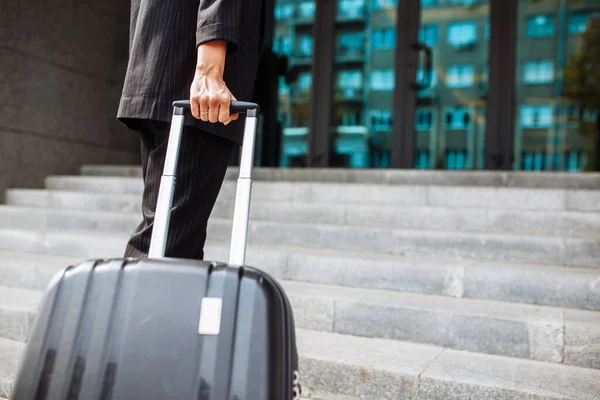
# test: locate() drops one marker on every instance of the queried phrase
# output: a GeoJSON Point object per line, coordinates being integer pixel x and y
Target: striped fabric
{"type": "Point", "coordinates": [203, 160]}
{"type": "Point", "coordinates": [164, 35]}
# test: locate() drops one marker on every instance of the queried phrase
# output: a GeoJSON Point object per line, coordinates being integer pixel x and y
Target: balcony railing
{"type": "Point", "coordinates": [301, 58]}
{"type": "Point", "coordinates": [344, 54]}
{"type": "Point", "coordinates": [352, 94]}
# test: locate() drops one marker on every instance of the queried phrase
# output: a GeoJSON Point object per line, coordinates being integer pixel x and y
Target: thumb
{"type": "Point", "coordinates": [233, 116]}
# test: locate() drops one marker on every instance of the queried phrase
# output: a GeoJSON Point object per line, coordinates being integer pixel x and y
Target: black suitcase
{"type": "Point", "coordinates": [158, 328]}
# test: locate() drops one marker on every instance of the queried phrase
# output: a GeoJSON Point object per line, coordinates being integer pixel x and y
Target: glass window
{"type": "Point", "coordinates": [459, 76]}
{"type": "Point", "coordinates": [421, 78]}
{"type": "Point", "coordinates": [381, 120]}
{"type": "Point", "coordinates": [450, 115]}
{"type": "Point", "coordinates": [292, 38]}
{"type": "Point", "coordinates": [351, 8]}
{"type": "Point", "coordinates": [428, 34]}
{"type": "Point", "coordinates": [382, 79]}
{"type": "Point", "coordinates": [383, 38]}
{"type": "Point", "coordinates": [304, 82]}
{"type": "Point", "coordinates": [536, 117]}
{"type": "Point", "coordinates": [554, 62]}
{"type": "Point", "coordinates": [424, 119]}
{"type": "Point", "coordinates": [306, 9]}
{"type": "Point", "coordinates": [361, 120]}
{"type": "Point", "coordinates": [383, 4]}
{"type": "Point", "coordinates": [305, 45]}
{"type": "Point", "coordinates": [578, 22]}
{"type": "Point", "coordinates": [284, 11]}
{"type": "Point", "coordinates": [350, 44]}
{"type": "Point", "coordinates": [284, 87]}
{"type": "Point", "coordinates": [350, 82]}
{"type": "Point", "coordinates": [540, 26]}
{"type": "Point", "coordinates": [462, 33]}
{"type": "Point", "coordinates": [282, 45]}
{"type": "Point", "coordinates": [458, 118]}
{"type": "Point", "coordinates": [538, 71]}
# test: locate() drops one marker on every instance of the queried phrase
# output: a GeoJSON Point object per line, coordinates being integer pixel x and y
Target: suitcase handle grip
{"type": "Point", "coordinates": [241, 214]}
{"type": "Point", "coordinates": [235, 107]}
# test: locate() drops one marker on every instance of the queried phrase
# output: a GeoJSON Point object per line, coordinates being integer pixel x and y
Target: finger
{"type": "Point", "coordinates": [231, 117]}
{"type": "Point", "coordinates": [224, 109]}
{"type": "Point", "coordinates": [195, 106]}
{"type": "Point", "coordinates": [204, 106]}
{"type": "Point", "coordinates": [213, 108]}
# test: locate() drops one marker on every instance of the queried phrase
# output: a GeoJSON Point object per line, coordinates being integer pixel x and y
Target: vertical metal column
{"type": "Point", "coordinates": [499, 140]}
{"type": "Point", "coordinates": [405, 65]}
{"type": "Point", "coordinates": [322, 84]}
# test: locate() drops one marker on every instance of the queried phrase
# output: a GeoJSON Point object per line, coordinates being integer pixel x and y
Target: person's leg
{"type": "Point", "coordinates": [203, 160]}
{"type": "Point", "coordinates": [146, 129]}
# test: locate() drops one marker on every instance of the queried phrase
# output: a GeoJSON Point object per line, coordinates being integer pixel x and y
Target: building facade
{"type": "Point", "coordinates": [446, 57]}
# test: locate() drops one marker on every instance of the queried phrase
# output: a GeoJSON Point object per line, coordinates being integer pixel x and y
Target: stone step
{"type": "Point", "coordinates": [10, 356]}
{"type": "Point", "coordinates": [393, 176]}
{"type": "Point", "coordinates": [31, 270]}
{"type": "Point", "coordinates": [464, 219]}
{"type": "Point", "coordinates": [110, 170]}
{"type": "Point", "coordinates": [31, 217]}
{"type": "Point", "coordinates": [354, 367]}
{"type": "Point", "coordinates": [515, 330]}
{"type": "Point", "coordinates": [504, 281]}
{"type": "Point", "coordinates": [581, 252]}
{"type": "Point", "coordinates": [17, 312]}
{"type": "Point", "coordinates": [364, 193]}
{"type": "Point", "coordinates": [459, 245]}
{"type": "Point", "coordinates": [522, 331]}
{"type": "Point", "coordinates": [74, 200]}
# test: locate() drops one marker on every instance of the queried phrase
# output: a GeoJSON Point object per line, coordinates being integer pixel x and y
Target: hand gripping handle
{"type": "Point", "coordinates": [235, 107]}
{"type": "Point", "coordinates": [239, 233]}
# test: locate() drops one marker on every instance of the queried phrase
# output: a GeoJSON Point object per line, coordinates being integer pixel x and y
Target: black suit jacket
{"type": "Point", "coordinates": [164, 35]}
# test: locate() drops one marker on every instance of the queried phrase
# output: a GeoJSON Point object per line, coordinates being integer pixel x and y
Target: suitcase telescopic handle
{"type": "Point", "coordinates": [235, 106]}
{"type": "Point", "coordinates": [239, 231]}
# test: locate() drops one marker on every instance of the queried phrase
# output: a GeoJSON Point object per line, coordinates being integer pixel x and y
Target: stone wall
{"type": "Point", "coordinates": [61, 70]}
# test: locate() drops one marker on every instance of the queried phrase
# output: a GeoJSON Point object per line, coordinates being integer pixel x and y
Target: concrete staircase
{"type": "Point", "coordinates": [405, 284]}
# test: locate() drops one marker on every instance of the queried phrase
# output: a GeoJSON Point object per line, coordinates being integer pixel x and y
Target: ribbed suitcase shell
{"type": "Point", "coordinates": [129, 330]}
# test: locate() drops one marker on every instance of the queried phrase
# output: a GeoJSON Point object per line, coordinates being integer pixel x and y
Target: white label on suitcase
{"type": "Point", "coordinates": [210, 316]}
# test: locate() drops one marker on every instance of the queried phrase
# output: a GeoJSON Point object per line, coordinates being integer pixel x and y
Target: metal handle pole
{"type": "Point", "coordinates": [241, 212]}
{"type": "Point", "coordinates": [158, 241]}
{"type": "Point", "coordinates": [162, 215]}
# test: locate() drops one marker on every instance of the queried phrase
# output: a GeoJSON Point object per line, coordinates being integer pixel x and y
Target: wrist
{"type": "Point", "coordinates": [211, 58]}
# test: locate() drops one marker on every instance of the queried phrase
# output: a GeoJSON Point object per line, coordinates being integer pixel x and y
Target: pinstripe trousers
{"type": "Point", "coordinates": [203, 160]}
